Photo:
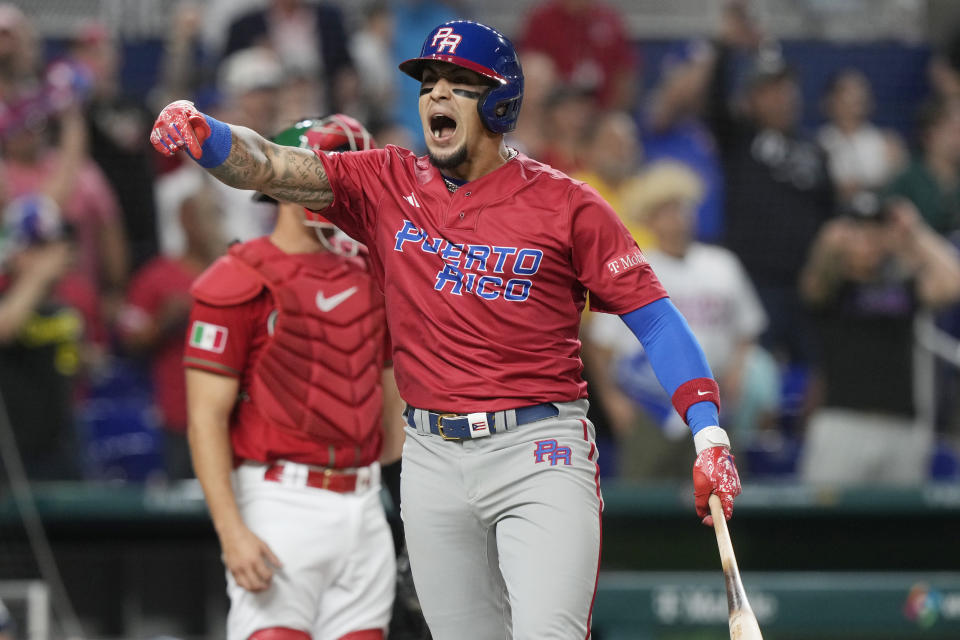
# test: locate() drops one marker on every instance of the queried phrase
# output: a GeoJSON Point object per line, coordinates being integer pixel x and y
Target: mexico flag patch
{"type": "Point", "coordinates": [209, 337]}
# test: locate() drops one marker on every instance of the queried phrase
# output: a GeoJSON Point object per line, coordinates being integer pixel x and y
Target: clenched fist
{"type": "Point", "coordinates": [180, 126]}
{"type": "Point", "coordinates": [714, 472]}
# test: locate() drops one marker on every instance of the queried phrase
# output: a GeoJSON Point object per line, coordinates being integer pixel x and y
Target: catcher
{"type": "Point", "coordinates": [292, 407]}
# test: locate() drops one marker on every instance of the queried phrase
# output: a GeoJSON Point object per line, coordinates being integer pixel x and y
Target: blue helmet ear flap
{"type": "Point", "coordinates": [499, 107]}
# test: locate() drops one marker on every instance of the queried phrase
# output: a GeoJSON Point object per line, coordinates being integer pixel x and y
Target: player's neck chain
{"type": "Point", "coordinates": [453, 186]}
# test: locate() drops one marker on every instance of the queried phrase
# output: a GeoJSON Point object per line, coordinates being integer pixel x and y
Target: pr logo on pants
{"type": "Point", "coordinates": [551, 450]}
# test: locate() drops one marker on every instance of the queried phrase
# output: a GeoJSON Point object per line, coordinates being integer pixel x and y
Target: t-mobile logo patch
{"type": "Point", "coordinates": [626, 262]}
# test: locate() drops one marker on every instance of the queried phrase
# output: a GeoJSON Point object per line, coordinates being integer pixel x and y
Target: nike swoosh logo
{"type": "Point", "coordinates": [702, 393]}
{"type": "Point", "coordinates": [331, 303]}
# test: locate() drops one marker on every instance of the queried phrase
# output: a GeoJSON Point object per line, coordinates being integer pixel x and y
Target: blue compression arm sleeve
{"type": "Point", "coordinates": [674, 354]}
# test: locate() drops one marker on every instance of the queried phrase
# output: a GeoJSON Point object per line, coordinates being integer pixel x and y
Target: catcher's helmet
{"type": "Point", "coordinates": [486, 51]}
{"type": "Point", "coordinates": [337, 132]}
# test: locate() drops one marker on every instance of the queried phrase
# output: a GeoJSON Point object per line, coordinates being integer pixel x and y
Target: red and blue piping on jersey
{"type": "Point", "coordinates": [678, 361]}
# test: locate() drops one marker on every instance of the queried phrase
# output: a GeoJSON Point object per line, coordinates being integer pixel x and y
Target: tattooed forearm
{"type": "Point", "coordinates": [246, 166]}
{"type": "Point", "coordinates": [300, 178]}
{"type": "Point", "coordinates": [285, 173]}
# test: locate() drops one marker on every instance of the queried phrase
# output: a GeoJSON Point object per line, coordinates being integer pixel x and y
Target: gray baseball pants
{"type": "Point", "coordinates": [503, 531]}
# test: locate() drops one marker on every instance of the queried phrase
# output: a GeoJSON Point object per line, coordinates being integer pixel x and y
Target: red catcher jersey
{"type": "Point", "coordinates": [230, 340]}
{"type": "Point", "coordinates": [484, 287]}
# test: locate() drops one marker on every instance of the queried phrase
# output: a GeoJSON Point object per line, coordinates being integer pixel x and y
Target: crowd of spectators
{"type": "Point", "coordinates": [800, 257]}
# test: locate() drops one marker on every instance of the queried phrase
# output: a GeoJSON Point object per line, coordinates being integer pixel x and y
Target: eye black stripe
{"type": "Point", "coordinates": [466, 93]}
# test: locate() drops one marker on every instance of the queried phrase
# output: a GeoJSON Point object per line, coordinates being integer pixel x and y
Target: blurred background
{"type": "Point", "coordinates": [791, 169]}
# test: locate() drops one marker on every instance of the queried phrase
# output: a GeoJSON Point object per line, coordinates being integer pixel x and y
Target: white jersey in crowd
{"type": "Point", "coordinates": [862, 157]}
{"type": "Point", "coordinates": [241, 218]}
{"type": "Point", "coordinates": [711, 289]}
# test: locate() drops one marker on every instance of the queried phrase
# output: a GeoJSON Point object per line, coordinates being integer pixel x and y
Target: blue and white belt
{"type": "Point", "coordinates": [465, 426]}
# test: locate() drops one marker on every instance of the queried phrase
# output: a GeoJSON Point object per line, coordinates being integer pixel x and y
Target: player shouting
{"type": "Point", "coordinates": [486, 257]}
{"type": "Point", "coordinates": [287, 393]}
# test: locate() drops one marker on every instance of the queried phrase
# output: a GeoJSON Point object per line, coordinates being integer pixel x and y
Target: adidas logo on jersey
{"type": "Point", "coordinates": [412, 199]}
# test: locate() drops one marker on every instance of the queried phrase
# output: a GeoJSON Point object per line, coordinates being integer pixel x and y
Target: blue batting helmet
{"type": "Point", "coordinates": [486, 51]}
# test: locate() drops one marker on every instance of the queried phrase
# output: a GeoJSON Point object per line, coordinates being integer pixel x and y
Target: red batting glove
{"type": "Point", "coordinates": [180, 125]}
{"type": "Point", "coordinates": [714, 472]}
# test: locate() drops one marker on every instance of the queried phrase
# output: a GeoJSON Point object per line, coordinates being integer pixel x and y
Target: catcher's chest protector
{"type": "Point", "coordinates": [319, 373]}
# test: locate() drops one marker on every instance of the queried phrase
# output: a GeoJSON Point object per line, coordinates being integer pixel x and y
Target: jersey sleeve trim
{"type": "Point", "coordinates": [333, 187]}
{"type": "Point", "coordinates": [629, 308]}
{"type": "Point", "coordinates": [375, 231]}
{"type": "Point", "coordinates": [570, 193]}
{"type": "Point", "coordinates": [192, 362]}
{"type": "Point", "coordinates": [350, 175]}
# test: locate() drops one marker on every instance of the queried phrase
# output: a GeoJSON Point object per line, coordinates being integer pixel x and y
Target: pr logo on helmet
{"type": "Point", "coordinates": [448, 40]}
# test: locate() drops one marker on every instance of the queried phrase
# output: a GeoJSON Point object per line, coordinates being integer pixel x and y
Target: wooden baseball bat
{"type": "Point", "coordinates": [743, 624]}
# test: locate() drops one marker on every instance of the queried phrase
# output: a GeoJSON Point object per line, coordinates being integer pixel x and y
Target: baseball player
{"type": "Point", "coordinates": [486, 257]}
{"type": "Point", "coordinates": [286, 395]}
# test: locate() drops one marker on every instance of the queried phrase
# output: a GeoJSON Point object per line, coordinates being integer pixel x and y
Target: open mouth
{"type": "Point", "coordinates": [442, 127]}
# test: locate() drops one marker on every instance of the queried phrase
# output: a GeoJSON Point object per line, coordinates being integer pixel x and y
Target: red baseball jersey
{"type": "Point", "coordinates": [484, 287]}
{"type": "Point", "coordinates": [231, 339]}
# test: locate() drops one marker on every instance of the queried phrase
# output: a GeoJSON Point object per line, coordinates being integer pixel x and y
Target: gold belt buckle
{"type": "Point", "coordinates": [440, 418]}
